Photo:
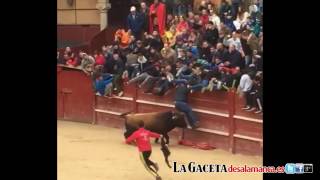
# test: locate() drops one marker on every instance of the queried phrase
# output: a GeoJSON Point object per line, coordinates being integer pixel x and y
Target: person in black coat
{"type": "Point", "coordinates": [233, 58]}
{"type": "Point", "coordinates": [144, 11]}
{"type": "Point", "coordinates": [204, 51]}
{"type": "Point", "coordinates": [135, 22]}
{"type": "Point", "coordinates": [221, 52]}
{"type": "Point", "coordinates": [211, 34]}
{"type": "Point", "coordinates": [117, 69]}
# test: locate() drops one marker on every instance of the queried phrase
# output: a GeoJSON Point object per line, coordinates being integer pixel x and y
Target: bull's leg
{"type": "Point", "coordinates": [127, 133]}
{"type": "Point", "coordinates": [156, 140]}
{"type": "Point", "coordinates": [167, 138]}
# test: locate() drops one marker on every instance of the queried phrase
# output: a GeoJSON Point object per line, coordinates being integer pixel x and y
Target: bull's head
{"type": "Point", "coordinates": [178, 119]}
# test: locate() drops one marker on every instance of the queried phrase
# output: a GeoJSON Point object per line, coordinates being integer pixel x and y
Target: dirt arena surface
{"type": "Point", "coordinates": [94, 152]}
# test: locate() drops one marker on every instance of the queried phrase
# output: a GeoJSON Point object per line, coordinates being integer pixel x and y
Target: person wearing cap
{"type": "Point", "coordinates": [135, 22]}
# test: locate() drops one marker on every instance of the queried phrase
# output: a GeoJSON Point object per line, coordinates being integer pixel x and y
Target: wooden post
{"type": "Point", "coordinates": [135, 97]}
{"type": "Point", "coordinates": [94, 109]}
{"type": "Point", "coordinates": [231, 98]}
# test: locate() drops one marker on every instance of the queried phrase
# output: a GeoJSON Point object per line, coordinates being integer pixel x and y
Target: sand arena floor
{"type": "Point", "coordinates": [94, 152]}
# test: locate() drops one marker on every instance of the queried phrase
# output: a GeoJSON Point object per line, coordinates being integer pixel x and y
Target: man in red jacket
{"type": "Point", "coordinates": [142, 139]}
{"type": "Point", "coordinates": [157, 17]}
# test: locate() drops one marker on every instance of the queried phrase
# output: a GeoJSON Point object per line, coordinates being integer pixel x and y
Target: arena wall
{"type": "Point", "coordinates": [222, 122]}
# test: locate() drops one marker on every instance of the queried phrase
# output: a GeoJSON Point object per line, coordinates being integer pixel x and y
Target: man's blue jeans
{"type": "Point", "coordinates": [184, 107]}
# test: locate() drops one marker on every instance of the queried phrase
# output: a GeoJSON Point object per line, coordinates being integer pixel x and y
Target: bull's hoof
{"type": "Point", "coordinates": [158, 178]}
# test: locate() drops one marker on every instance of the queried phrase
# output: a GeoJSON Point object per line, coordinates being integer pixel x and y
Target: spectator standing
{"type": "Point", "coordinates": [135, 22]}
{"type": "Point", "coordinates": [245, 47]}
{"type": "Point", "coordinates": [157, 17]}
{"type": "Point", "coordinates": [144, 11]}
{"type": "Point", "coordinates": [244, 88]}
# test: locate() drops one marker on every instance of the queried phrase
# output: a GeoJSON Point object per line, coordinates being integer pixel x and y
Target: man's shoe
{"type": "Point", "coordinates": [252, 109]}
{"type": "Point", "coordinates": [196, 125]}
{"type": "Point", "coordinates": [258, 112]}
{"type": "Point", "coordinates": [120, 93]}
{"type": "Point", "coordinates": [246, 108]}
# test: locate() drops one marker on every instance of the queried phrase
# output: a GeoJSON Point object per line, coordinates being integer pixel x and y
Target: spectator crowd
{"type": "Point", "coordinates": [174, 45]}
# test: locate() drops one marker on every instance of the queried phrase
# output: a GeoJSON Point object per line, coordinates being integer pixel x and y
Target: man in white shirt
{"type": "Point", "coordinates": [244, 88]}
{"type": "Point", "coordinates": [234, 40]}
{"type": "Point", "coordinates": [215, 19]}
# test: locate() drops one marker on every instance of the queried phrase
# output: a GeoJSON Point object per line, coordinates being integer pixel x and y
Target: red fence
{"type": "Point", "coordinates": [222, 123]}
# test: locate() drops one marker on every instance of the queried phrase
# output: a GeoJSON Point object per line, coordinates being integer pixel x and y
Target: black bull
{"type": "Point", "coordinates": [159, 122]}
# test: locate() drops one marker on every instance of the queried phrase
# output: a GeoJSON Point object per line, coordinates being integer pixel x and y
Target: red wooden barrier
{"type": "Point", "coordinates": [222, 123]}
{"type": "Point", "coordinates": [75, 95]}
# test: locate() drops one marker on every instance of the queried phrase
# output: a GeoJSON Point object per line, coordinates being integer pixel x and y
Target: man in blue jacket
{"type": "Point", "coordinates": [181, 103]}
{"type": "Point", "coordinates": [103, 84]}
{"type": "Point", "coordinates": [135, 22]}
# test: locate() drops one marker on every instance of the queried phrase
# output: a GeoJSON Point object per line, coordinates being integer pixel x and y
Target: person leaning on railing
{"type": "Point", "coordinates": [245, 87]}
{"type": "Point", "coordinates": [103, 84]}
{"type": "Point", "coordinates": [181, 103]}
{"type": "Point", "coordinates": [164, 82]}
{"type": "Point", "coordinates": [87, 63]}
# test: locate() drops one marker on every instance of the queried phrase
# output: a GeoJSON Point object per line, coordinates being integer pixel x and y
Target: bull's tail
{"type": "Point", "coordinates": [126, 133]}
{"type": "Point", "coordinates": [165, 150]}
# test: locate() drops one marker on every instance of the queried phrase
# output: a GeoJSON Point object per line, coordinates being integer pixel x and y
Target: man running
{"type": "Point", "coordinates": [142, 138]}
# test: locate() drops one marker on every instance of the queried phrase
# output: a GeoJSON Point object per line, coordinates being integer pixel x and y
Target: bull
{"type": "Point", "coordinates": [159, 122]}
